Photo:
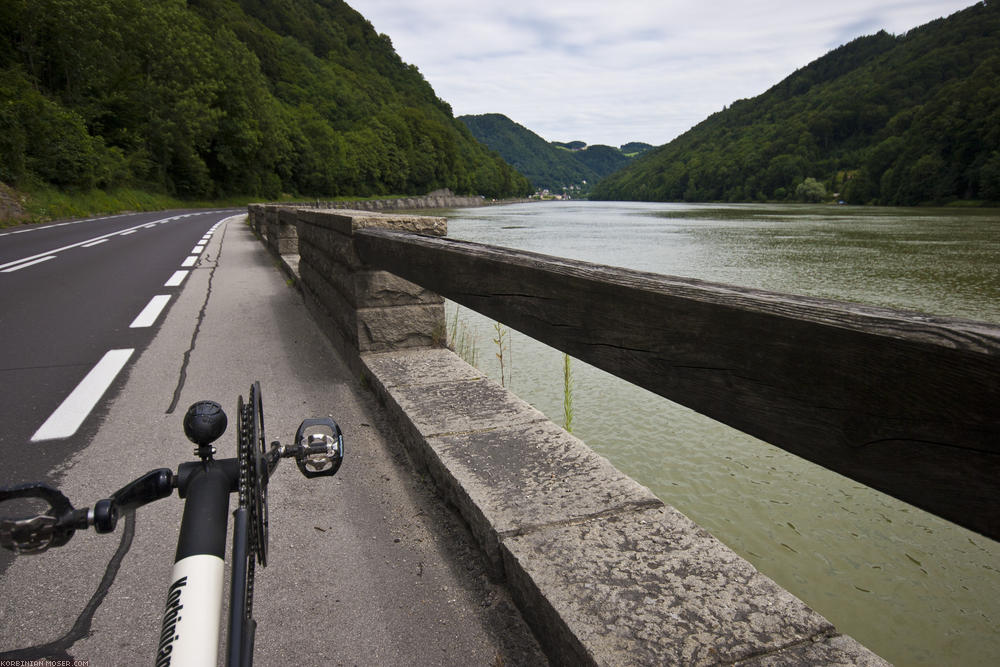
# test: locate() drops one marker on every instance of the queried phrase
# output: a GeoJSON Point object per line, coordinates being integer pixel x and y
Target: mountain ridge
{"type": "Point", "coordinates": [895, 120]}
{"type": "Point", "coordinates": [549, 165]}
{"type": "Point", "coordinates": [210, 98]}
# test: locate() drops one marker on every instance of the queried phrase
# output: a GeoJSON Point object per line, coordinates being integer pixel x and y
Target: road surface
{"type": "Point", "coordinates": [79, 301]}
{"type": "Point", "coordinates": [368, 567]}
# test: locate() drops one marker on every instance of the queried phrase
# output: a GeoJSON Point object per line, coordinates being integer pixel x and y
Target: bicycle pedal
{"type": "Point", "coordinates": [37, 534]}
{"type": "Point", "coordinates": [319, 447]}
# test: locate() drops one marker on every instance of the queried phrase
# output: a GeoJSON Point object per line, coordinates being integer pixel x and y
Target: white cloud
{"type": "Point", "coordinates": [631, 70]}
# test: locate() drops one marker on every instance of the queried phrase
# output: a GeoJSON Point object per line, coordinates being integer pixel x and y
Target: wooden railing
{"type": "Point", "coordinates": [905, 403]}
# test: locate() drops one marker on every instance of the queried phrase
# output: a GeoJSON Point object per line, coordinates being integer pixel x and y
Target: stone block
{"type": "Point", "coordinates": [365, 288]}
{"type": "Point", "coordinates": [398, 327]}
{"type": "Point", "coordinates": [284, 245]}
{"type": "Point", "coordinates": [460, 406]}
{"type": "Point", "coordinates": [650, 588]}
{"type": "Point", "coordinates": [338, 247]}
{"type": "Point", "coordinates": [509, 480]}
{"type": "Point", "coordinates": [327, 298]}
{"type": "Point", "coordinates": [419, 367]}
{"type": "Point", "coordinates": [345, 221]}
{"type": "Point", "coordinates": [374, 289]}
{"type": "Point", "coordinates": [335, 273]}
{"type": "Point", "coordinates": [287, 217]}
{"type": "Point", "coordinates": [326, 219]}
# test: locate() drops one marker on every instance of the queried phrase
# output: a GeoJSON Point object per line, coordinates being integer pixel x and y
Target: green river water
{"type": "Point", "coordinates": [915, 589]}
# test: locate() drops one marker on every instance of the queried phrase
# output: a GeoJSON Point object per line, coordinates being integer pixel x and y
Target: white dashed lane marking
{"type": "Point", "coordinates": [152, 311]}
{"type": "Point", "coordinates": [176, 279]}
{"type": "Point", "coordinates": [68, 417]}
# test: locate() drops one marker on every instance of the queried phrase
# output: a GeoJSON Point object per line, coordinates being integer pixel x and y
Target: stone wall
{"type": "Point", "coordinates": [437, 199]}
{"type": "Point", "coordinates": [279, 232]}
{"type": "Point", "coordinates": [365, 310]}
{"type": "Point", "coordinates": [603, 571]}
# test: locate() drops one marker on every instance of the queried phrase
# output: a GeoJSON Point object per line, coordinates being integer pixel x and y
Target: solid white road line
{"type": "Point", "coordinates": [93, 243]}
{"type": "Point", "coordinates": [38, 260]}
{"type": "Point", "coordinates": [176, 279]}
{"type": "Point", "coordinates": [152, 310]}
{"type": "Point", "coordinates": [68, 417]}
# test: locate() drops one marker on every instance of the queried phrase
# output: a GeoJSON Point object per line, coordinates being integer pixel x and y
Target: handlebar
{"type": "Point", "coordinates": [318, 451]}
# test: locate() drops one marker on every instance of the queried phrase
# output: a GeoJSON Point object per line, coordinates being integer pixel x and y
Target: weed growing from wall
{"type": "Point", "coordinates": [567, 394]}
{"type": "Point", "coordinates": [461, 340]}
{"type": "Point", "coordinates": [503, 344]}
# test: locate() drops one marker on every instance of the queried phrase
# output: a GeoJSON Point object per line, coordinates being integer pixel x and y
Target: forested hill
{"type": "Point", "coordinates": [885, 119]}
{"type": "Point", "coordinates": [551, 165]}
{"type": "Point", "coordinates": [205, 98]}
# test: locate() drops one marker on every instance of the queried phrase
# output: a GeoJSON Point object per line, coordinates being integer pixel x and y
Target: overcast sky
{"type": "Point", "coordinates": [613, 71]}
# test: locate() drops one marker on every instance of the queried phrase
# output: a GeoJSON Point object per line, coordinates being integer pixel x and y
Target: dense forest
{"type": "Point", "coordinates": [549, 165]}
{"type": "Point", "coordinates": [208, 98]}
{"type": "Point", "coordinates": [902, 120]}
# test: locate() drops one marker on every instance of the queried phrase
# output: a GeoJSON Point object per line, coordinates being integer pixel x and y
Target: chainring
{"type": "Point", "coordinates": [254, 470]}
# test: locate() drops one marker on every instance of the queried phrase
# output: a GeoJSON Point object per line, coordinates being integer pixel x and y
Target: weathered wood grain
{"type": "Point", "coordinates": [903, 402]}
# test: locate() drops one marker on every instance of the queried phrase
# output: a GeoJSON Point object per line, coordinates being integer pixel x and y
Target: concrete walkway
{"type": "Point", "coordinates": [366, 568]}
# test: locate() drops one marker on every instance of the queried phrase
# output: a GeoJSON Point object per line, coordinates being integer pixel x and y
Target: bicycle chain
{"type": "Point", "coordinates": [250, 494]}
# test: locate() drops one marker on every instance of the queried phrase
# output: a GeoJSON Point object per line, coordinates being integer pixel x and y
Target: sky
{"type": "Point", "coordinates": [614, 71]}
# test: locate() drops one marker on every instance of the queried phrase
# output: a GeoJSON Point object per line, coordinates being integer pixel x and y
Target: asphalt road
{"type": "Point", "coordinates": [367, 568]}
{"type": "Point", "coordinates": [71, 294]}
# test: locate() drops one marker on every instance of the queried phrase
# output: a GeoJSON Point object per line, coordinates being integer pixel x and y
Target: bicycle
{"type": "Point", "coordinates": [196, 581]}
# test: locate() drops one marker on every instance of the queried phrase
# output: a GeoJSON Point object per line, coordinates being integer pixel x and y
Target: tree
{"type": "Point", "coordinates": [202, 98]}
{"type": "Point", "coordinates": [913, 118]}
{"type": "Point", "coordinates": [810, 190]}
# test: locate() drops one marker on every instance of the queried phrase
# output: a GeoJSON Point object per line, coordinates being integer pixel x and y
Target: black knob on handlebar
{"type": "Point", "coordinates": [204, 422]}
{"type": "Point", "coordinates": [105, 516]}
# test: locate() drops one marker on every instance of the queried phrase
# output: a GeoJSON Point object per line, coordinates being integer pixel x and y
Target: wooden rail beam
{"type": "Point", "coordinates": [903, 402]}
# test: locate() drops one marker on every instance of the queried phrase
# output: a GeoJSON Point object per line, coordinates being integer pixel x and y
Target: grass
{"type": "Point", "coordinates": [567, 394]}
{"type": "Point", "coordinates": [502, 343]}
{"type": "Point", "coordinates": [44, 203]}
{"type": "Point", "coordinates": [461, 340]}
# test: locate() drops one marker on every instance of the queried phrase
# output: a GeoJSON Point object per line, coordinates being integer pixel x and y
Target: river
{"type": "Point", "coordinates": [915, 589]}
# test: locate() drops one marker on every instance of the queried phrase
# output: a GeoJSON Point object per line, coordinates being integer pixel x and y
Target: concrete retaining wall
{"type": "Point", "coordinates": [603, 571]}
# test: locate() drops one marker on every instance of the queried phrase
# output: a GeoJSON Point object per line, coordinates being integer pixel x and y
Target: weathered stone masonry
{"type": "Point", "coordinates": [603, 571]}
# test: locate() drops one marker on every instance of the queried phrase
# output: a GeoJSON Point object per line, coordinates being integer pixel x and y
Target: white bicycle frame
{"type": "Point", "coordinates": [189, 632]}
